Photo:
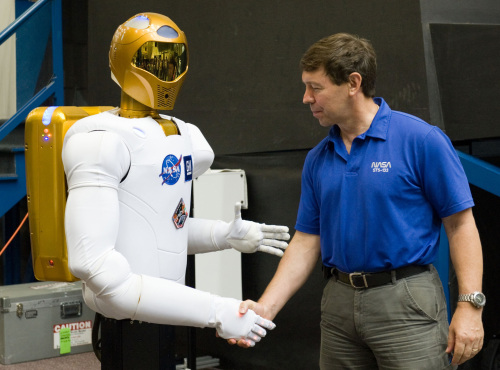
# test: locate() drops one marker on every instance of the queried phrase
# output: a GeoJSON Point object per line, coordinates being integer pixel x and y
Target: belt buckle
{"type": "Point", "coordinates": [358, 274]}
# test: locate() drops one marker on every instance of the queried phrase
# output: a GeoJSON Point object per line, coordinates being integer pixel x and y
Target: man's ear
{"type": "Point", "coordinates": [354, 82]}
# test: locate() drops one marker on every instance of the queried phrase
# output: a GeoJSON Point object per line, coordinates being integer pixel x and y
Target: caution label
{"type": "Point", "coordinates": [81, 333]}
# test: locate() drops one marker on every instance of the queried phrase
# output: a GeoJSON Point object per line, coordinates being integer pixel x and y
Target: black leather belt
{"type": "Point", "coordinates": [362, 280]}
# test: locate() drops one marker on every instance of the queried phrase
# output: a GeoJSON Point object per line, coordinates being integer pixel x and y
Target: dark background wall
{"type": "Point", "coordinates": [244, 86]}
{"type": "Point", "coordinates": [437, 60]}
{"type": "Point", "coordinates": [461, 52]}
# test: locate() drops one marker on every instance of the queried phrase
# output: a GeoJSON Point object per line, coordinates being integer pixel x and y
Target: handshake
{"type": "Point", "coordinates": [241, 324]}
{"type": "Point", "coordinates": [246, 329]}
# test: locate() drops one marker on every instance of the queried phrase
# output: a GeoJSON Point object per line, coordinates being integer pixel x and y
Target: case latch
{"type": "Point", "coordinates": [71, 309]}
{"type": "Point", "coordinates": [20, 310]}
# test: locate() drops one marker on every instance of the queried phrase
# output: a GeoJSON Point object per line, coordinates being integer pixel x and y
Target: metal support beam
{"type": "Point", "coordinates": [11, 28]}
{"type": "Point", "coordinates": [57, 52]}
{"type": "Point", "coordinates": [481, 174]}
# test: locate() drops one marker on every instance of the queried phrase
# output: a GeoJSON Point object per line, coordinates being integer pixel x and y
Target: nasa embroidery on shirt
{"type": "Point", "coordinates": [381, 166]}
{"type": "Point", "coordinates": [180, 215]}
{"type": "Point", "coordinates": [171, 169]}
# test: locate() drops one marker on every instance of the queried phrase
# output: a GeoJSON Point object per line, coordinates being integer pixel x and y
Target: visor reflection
{"type": "Point", "coordinates": [167, 61]}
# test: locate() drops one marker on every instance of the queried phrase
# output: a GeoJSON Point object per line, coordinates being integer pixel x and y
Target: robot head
{"type": "Point", "coordinates": [148, 58]}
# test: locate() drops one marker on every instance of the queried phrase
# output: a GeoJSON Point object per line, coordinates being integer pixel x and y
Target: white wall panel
{"type": "Point", "coordinates": [7, 62]}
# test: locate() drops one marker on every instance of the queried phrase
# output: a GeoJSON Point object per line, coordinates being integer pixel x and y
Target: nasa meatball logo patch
{"type": "Point", "coordinates": [180, 215]}
{"type": "Point", "coordinates": [171, 169]}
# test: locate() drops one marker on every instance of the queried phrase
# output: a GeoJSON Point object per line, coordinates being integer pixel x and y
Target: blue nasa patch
{"type": "Point", "coordinates": [188, 168]}
{"type": "Point", "coordinates": [171, 169]}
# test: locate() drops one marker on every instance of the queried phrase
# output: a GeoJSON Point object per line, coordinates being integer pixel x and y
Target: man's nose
{"type": "Point", "coordinates": [308, 98]}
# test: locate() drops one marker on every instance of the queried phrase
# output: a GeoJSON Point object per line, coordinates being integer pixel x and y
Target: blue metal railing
{"type": "Point", "coordinates": [483, 175]}
{"type": "Point", "coordinates": [55, 87]}
{"type": "Point", "coordinates": [14, 189]}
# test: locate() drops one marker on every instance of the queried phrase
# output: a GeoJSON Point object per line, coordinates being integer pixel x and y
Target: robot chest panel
{"type": "Point", "coordinates": [160, 174]}
{"type": "Point", "coordinates": [155, 200]}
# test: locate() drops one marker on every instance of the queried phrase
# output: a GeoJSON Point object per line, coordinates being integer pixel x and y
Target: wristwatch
{"type": "Point", "coordinates": [478, 299]}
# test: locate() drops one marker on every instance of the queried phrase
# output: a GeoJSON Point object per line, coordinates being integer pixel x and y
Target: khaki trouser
{"type": "Point", "coordinates": [394, 326]}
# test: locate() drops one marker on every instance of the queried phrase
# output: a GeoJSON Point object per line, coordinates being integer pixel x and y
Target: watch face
{"type": "Point", "coordinates": [479, 299]}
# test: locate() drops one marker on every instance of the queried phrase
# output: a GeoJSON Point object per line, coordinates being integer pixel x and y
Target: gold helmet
{"type": "Point", "coordinates": [148, 58]}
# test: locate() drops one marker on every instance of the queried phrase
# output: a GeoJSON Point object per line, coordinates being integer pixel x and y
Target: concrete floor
{"type": "Point", "coordinates": [78, 361]}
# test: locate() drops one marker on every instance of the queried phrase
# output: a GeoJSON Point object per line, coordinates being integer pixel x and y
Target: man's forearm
{"type": "Point", "coordinates": [465, 251]}
{"type": "Point", "coordinates": [466, 333]}
{"type": "Point", "coordinates": [294, 269]}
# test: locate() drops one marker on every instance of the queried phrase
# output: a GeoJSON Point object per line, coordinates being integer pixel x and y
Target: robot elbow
{"type": "Point", "coordinates": [78, 268]}
{"type": "Point", "coordinates": [115, 301]}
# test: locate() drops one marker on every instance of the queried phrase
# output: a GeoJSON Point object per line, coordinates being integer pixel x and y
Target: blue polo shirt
{"type": "Point", "coordinates": [380, 207]}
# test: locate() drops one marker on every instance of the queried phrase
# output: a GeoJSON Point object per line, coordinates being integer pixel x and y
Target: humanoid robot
{"type": "Point", "coordinates": [129, 174]}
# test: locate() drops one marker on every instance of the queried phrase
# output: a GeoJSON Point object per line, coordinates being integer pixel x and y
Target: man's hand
{"type": "Point", "coordinates": [466, 334]}
{"type": "Point", "coordinates": [251, 237]}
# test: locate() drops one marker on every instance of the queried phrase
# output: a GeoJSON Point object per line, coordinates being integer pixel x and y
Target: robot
{"type": "Point", "coordinates": [129, 174]}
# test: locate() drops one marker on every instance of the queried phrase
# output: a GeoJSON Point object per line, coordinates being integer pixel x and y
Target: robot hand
{"type": "Point", "coordinates": [230, 323]}
{"type": "Point", "coordinates": [250, 237]}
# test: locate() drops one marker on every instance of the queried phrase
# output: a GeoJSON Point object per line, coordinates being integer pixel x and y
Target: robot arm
{"type": "Point", "coordinates": [95, 163]}
{"type": "Point", "coordinates": [244, 236]}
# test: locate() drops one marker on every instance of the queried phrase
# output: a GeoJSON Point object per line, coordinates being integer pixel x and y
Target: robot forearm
{"type": "Point", "coordinates": [125, 295]}
{"type": "Point", "coordinates": [207, 235]}
{"type": "Point", "coordinates": [139, 297]}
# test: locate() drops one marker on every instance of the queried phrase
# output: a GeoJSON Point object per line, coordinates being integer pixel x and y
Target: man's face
{"type": "Point", "coordinates": [328, 102]}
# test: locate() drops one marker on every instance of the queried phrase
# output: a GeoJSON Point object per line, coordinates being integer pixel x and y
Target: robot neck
{"type": "Point", "coordinates": [131, 108]}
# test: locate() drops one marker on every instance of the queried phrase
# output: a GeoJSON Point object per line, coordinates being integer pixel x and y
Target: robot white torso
{"type": "Point", "coordinates": [155, 195]}
{"type": "Point", "coordinates": [129, 197]}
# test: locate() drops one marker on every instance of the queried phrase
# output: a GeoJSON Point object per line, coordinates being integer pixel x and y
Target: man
{"type": "Point", "coordinates": [374, 195]}
{"type": "Point", "coordinates": [130, 173]}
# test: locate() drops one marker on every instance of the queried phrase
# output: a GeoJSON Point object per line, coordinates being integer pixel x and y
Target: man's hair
{"type": "Point", "coordinates": [340, 55]}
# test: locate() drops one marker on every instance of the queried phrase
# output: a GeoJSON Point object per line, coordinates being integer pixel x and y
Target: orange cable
{"type": "Point", "coordinates": [15, 233]}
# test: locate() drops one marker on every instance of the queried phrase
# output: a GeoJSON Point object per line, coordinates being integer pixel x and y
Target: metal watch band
{"type": "Point", "coordinates": [465, 297]}
{"type": "Point", "coordinates": [477, 299]}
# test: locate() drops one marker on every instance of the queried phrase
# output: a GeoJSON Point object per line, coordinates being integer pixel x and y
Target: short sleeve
{"type": "Point", "coordinates": [308, 216]}
{"type": "Point", "coordinates": [444, 181]}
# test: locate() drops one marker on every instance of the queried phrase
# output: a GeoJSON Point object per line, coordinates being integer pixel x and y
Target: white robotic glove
{"type": "Point", "coordinates": [232, 324]}
{"type": "Point", "coordinates": [251, 237]}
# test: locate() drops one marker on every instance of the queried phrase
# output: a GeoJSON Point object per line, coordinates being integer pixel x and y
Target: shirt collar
{"type": "Point", "coordinates": [378, 127]}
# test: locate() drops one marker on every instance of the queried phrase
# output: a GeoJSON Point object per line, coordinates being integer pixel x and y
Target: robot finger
{"type": "Point", "coordinates": [237, 210]}
{"type": "Point", "coordinates": [249, 342]}
{"type": "Point", "coordinates": [264, 323]}
{"type": "Point", "coordinates": [275, 229]}
{"type": "Point", "coordinates": [273, 235]}
{"type": "Point", "coordinates": [254, 337]}
{"type": "Point", "coordinates": [275, 243]}
{"type": "Point", "coordinates": [270, 250]}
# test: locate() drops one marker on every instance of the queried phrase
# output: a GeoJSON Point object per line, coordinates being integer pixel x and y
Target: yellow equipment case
{"type": "Point", "coordinates": [47, 188]}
